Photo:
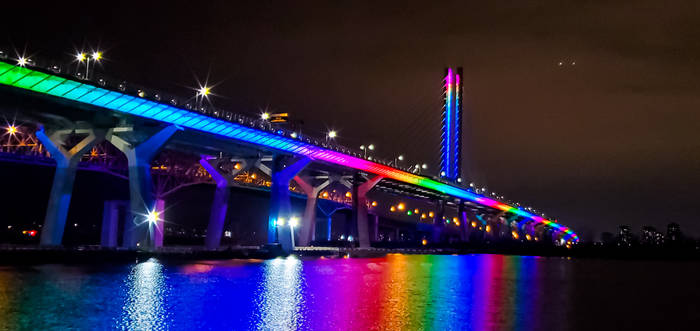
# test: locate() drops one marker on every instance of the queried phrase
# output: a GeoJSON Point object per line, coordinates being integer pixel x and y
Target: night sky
{"type": "Point", "coordinates": [610, 136]}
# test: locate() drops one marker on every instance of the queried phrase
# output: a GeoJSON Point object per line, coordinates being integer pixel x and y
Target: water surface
{"type": "Point", "coordinates": [396, 292]}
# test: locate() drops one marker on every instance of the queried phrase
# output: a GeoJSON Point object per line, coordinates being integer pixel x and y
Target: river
{"type": "Point", "coordinates": [396, 292]}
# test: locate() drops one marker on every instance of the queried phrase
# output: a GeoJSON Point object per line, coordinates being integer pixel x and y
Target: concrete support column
{"type": "Point", "coordinates": [438, 222]}
{"type": "Point", "coordinates": [160, 224]}
{"type": "Point", "coordinates": [308, 223]}
{"type": "Point", "coordinates": [138, 231]}
{"type": "Point", "coordinates": [114, 211]}
{"type": "Point", "coordinates": [360, 210]}
{"type": "Point", "coordinates": [280, 204]}
{"type": "Point", "coordinates": [224, 180]}
{"type": "Point", "coordinates": [464, 225]}
{"type": "Point", "coordinates": [375, 227]}
{"type": "Point", "coordinates": [64, 177]}
{"type": "Point", "coordinates": [330, 228]}
{"type": "Point", "coordinates": [469, 217]}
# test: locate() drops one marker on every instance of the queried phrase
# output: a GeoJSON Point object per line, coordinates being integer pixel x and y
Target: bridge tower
{"type": "Point", "coordinates": [451, 139]}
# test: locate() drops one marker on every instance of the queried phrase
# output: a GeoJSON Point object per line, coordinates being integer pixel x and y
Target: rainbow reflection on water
{"type": "Point", "coordinates": [397, 292]}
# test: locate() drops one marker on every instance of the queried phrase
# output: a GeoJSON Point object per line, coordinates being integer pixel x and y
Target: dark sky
{"type": "Point", "coordinates": [613, 139]}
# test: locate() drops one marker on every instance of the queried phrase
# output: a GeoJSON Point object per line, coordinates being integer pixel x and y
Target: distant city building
{"type": "Point", "coordinates": [673, 233]}
{"type": "Point", "coordinates": [651, 237]}
{"type": "Point", "coordinates": [624, 237]}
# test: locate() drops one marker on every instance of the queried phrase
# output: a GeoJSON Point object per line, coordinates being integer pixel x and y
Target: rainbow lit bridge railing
{"type": "Point", "coordinates": [49, 84]}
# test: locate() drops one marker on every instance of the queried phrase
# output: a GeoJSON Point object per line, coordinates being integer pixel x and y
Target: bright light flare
{"type": "Point", "coordinates": [96, 56]}
{"type": "Point", "coordinates": [293, 222]}
{"type": "Point", "coordinates": [11, 129]}
{"type": "Point", "coordinates": [265, 116]}
{"type": "Point", "coordinates": [81, 57]}
{"type": "Point", "coordinates": [332, 134]}
{"type": "Point", "coordinates": [204, 91]}
{"type": "Point", "coordinates": [22, 61]}
{"type": "Point", "coordinates": [153, 216]}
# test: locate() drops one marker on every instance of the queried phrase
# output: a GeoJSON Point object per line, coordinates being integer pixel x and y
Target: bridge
{"type": "Point", "coordinates": [69, 118]}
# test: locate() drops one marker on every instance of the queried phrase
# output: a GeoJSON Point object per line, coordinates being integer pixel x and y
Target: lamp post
{"type": "Point", "coordinates": [396, 160]}
{"type": "Point", "coordinates": [202, 92]}
{"type": "Point", "coordinates": [364, 148]}
{"type": "Point", "coordinates": [293, 222]}
{"type": "Point", "coordinates": [416, 169]}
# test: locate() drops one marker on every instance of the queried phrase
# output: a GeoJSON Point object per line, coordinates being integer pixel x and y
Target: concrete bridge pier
{"type": "Point", "coordinates": [145, 228]}
{"type": "Point", "coordinates": [278, 225]}
{"type": "Point", "coordinates": [438, 221]}
{"type": "Point", "coordinates": [360, 209]}
{"type": "Point", "coordinates": [66, 166]}
{"type": "Point", "coordinates": [224, 179]}
{"type": "Point", "coordinates": [469, 217]}
{"type": "Point", "coordinates": [464, 223]}
{"type": "Point", "coordinates": [308, 223]}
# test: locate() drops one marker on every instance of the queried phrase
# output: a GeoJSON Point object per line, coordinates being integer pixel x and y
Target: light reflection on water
{"type": "Point", "coordinates": [280, 296]}
{"type": "Point", "coordinates": [144, 307]}
{"type": "Point", "coordinates": [396, 292]}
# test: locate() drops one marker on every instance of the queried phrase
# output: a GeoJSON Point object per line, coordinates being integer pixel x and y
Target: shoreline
{"type": "Point", "coordinates": [26, 255]}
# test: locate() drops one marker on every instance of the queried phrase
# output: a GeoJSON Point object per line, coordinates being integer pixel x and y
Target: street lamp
{"type": "Point", "coordinates": [364, 148]}
{"type": "Point", "coordinates": [265, 116]}
{"type": "Point", "coordinates": [11, 130]}
{"type": "Point", "coordinates": [396, 160]}
{"type": "Point", "coordinates": [204, 91]}
{"type": "Point", "coordinates": [416, 169]}
{"type": "Point", "coordinates": [22, 61]}
{"type": "Point", "coordinates": [331, 135]}
{"type": "Point", "coordinates": [96, 57]}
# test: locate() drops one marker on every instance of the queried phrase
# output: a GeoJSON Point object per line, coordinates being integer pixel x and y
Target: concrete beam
{"type": "Point", "coordinates": [64, 178]}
